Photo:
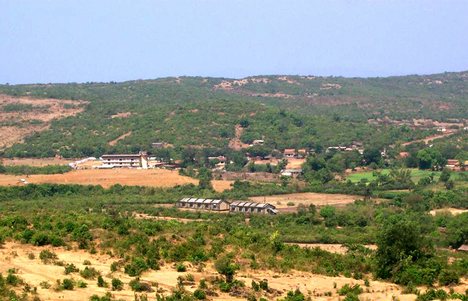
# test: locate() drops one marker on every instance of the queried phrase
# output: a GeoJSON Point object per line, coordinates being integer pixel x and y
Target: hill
{"type": "Point", "coordinates": [285, 111]}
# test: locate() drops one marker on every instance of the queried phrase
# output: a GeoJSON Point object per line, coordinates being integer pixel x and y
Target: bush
{"type": "Point", "coordinates": [181, 268]}
{"type": "Point", "coordinates": [136, 267]}
{"type": "Point", "coordinates": [199, 294]}
{"type": "Point", "coordinates": [89, 273]}
{"type": "Point", "coordinates": [101, 282]}
{"type": "Point", "coordinates": [139, 286]}
{"type": "Point", "coordinates": [68, 284]}
{"type": "Point", "coordinates": [47, 256]}
{"type": "Point", "coordinates": [81, 284]}
{"type": "Point", "coordinates": [347, 289]}
{"type": "Point", "coordinates": [447, 277]}
{"type": "Point", "coordinates": [117, 284]}
{"type": "Point", "coordinates": [71, 268]}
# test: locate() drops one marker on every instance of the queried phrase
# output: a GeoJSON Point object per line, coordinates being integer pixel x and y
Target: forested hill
{"type": "Point", "coordinates": [285, 111]}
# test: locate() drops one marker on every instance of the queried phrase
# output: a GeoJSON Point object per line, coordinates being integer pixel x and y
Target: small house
{"type": "Point", "coordinates": [291, 172]}
{"type": "Point", "coordinates": [289, 153]}
{"type": "Point", "coordinates": [463, 248]}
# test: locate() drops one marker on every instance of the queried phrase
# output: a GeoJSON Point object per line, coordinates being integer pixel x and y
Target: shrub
{"type": "Point", "coordinates": [101, 282]}
{"type": "Point", "coordinates": [71, 268]}
{"type": "Point", "coordinates": [139, 286]}
{"type": "Point", "coordinates": [136, 267]}
{"type": "Point", "coordinates": [68, 284]}
{"type": "Point", "coordinates": [117, 284]}
{"type": "Point", "coordinates": [89, 273]}
{"type": "Point", "coordinates": [199, 294]}
{"type": "Point", "coordinates": [447, 277]}
{"type": "Point", "coordinates": [347, 289]}
{"type": "Point", "coordinates": [81, 284]}
{"type": "Point", "coordinates": [47, 256]}
{"type": "Point", "coordinates": [181, 268]}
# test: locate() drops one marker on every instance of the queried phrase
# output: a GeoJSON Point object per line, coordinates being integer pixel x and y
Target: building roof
{"type": "Point", "coordinates": [289, 151]}
{"type": "Point", "coordinates": [463, 248]}
{"type": "Point", "coordinates": [200, 201]}
{"type": "Point", "coordinates": [121, 155]}
{"type": "Point", "coordinates": [251, 204]}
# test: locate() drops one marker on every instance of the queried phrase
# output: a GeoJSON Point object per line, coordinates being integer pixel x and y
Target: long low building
{"type": "Point", "coordinates": [222, 205]}
{"type": "Point", "coordinates": [203, 204]}
{"type": "Point", "coordinates": [251, 207]}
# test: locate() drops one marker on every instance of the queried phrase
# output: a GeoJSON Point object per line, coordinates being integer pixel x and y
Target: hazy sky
{"type": "Point", "coordinates": [45, 41]}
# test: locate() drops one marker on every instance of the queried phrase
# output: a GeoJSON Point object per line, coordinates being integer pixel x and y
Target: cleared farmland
{"type": "Point", "coordinates": [107, 178]}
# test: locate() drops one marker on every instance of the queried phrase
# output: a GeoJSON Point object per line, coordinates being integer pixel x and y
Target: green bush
{"type": "Point", "coordinates": [68, 284]}
{"type": "Point", "coordinates": [117, 284]}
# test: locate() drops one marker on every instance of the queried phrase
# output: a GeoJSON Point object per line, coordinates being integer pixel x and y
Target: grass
{"type": "Point", "coordinates": [416, 175]}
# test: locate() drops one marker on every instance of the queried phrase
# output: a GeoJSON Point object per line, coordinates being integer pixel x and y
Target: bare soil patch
{"type": "Point", "coordinates": [33, 272]}
{"type": "Point", "coordinates": [307, 198]}
{"type": "Point", "coordinates": [332, 248]}
{"type": "Point", "coordinates": [16, 125]}
{"type": "Point", "coordinates": [452, 211]}
{"type": "Point", "coordinates": [122, 115]}
{"type": "Point", "coordinates": [109, 177]}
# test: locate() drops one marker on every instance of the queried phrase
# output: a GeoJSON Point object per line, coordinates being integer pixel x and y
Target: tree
{"type": "Point", "coordinates": [445, 175]}
{"type": "Point", "coordinates": [372, 155]}
{"type": "Point", "coordinates": [399, 240]}
{"type": "Point", "coordinates": [226, 267]}
{"type": "Point", "coordinates": [205, 176]}
{"type": "Point", "coordinates": [430, 158]}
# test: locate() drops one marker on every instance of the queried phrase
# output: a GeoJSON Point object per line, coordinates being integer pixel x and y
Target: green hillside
{"type": "Point", "coordinates": [290, 111]}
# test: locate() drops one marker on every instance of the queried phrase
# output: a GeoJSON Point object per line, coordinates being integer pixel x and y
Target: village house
{"type": "Point", "coordinates": [289, 153]}
{"type": "Point", "coordinates": [251, 207]}
{"type": "Point", "coordinates": [463, 248]}
{"type": "Point", "coordinates": [454, 165]}
{"type": "Point", "coordinates": [139, 160]}
{"type": "Point", "coordinates": [291, 172]}
{"type": "Point", "coordinates": [203, 204]}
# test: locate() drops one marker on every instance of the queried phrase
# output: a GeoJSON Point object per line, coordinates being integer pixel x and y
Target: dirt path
{"type": "Point", "coordinates": [236, 143]}
{"type": "Point", "coordinates": [429, 139]}
{"type": "Point", "coordinates": [114, 142]}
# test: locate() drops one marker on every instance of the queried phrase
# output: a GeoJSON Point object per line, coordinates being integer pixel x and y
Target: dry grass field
{"type": "Point", "coordinates": [35, 161]}
{"type": "Point", "coordinates": [452, 211]}
{"type": "Point", "coordinates": [332, 248]}
{"type": "Point", "coordinates": [307, 198]}
{"type": "Point", "coordinates": [34, 271]}
{"type": "Point", "coordinates": [109, 177]}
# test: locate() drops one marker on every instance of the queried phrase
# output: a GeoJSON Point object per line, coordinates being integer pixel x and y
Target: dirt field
{"type": "Point", "coordinates": [33, 272]}
{"type": "Point", "coordinates": [332, 248]}
{"type": "Point", "coordinates": [453, 211]}
{"type": "Point", "coordinates": [15, 125]}
{"type": "Point", "coordinates": [307, 198]}
{"type": "Point", "coordinates": [109, 177]}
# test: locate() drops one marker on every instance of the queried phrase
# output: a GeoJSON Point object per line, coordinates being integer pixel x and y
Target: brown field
{"type": "Point", "coordinates": [33, 272]}
{"type": "Point", "coordinates": [109, 177]}
{"type": "Point", "coordinates": [307, 198]}
{"type": "Point", "coordinates": [44, 111]}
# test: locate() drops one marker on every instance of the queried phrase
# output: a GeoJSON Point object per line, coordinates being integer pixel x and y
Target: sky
{"type": "Point", "coordinates": [46, 41]}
